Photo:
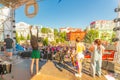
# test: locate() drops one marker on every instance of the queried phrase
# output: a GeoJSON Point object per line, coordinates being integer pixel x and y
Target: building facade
{"type": "Point", "coordinates": [22, 28]}
{"type": "Point", "coordinates": [73, 33]}
{"type": "Point", "coordinates": [68, 29]}
{"type": "Point", "coordinates": [71, 36]}
{"type": "Point", "coordinates": [103, 24]}
{"type": "Point", "coordinates": [105, 28]}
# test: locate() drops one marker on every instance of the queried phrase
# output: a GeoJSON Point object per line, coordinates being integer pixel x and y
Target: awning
{"type": "Point", "coordinates": [13, 3]}
{"type": "Point", "coordinates": [17, 3]}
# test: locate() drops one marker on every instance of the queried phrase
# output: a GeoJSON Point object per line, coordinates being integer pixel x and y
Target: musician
{"type": "Point", "coordinates": [35, 51]}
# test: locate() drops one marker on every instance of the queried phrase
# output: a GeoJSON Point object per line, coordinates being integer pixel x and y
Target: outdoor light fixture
{"type": "Point", "coordinates": [116, 28]}
{"type": "Point", "coordinates": [14, 26]}
{"type": "Point", "coordinates": [13, 20]}
{"type": "Point", "coordinates": [14, 31]}
{"type": "Point", "coordinates": [117, 9]}
{"type": "Point", "coordinates": [115, 39]}
{"type": "Point", "coordinates": [14, 37]}
{"type": "Point", "coordinates": [117, 19]}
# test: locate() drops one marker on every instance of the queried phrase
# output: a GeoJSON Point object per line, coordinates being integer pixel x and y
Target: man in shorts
{"type": "Point", "coordinates": [8, 42]}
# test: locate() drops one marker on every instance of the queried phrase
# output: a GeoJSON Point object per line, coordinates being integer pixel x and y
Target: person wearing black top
{"type": "Point", "coordinates": [8, 42]}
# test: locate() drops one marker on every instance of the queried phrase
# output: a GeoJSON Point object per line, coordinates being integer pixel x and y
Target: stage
{"type": "Point", "coordinates": [49, 70]}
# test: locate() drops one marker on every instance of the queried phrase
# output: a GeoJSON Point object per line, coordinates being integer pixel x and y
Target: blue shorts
{"type": "Point", "coordinates": [9, 50]}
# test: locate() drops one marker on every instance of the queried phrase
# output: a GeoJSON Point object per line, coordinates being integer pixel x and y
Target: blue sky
{"type": "Point", "coordinates": [70, 13]}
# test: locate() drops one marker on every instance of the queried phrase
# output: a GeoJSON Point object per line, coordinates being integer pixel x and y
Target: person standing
{"type": "Point", "coordinates": [97, 50]}
{"type": "Point", "coordinates": [73, 56]}
{"type": "Point", "coordinates": [80, 48]}
{"type": "Point", "coordinates": [8, 42]}
{"type": "Point", "coordinates": [35, 55]}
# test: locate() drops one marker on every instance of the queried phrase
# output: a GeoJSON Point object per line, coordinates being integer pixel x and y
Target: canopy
{"type": "Point", "coordinates": [13, 3]}
{"type": "Point", "coordinates": [17, 3]}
